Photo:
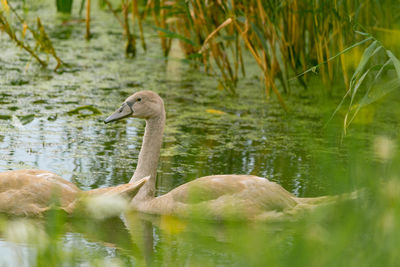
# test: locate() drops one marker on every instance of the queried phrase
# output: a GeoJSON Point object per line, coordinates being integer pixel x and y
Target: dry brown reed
{"type": "Point", "coordinates": [88, 7]}
{"type": "Point", "coordinates": [42, 41]}
{"type": "Point", "coordinates": [284, 37]}
{"type": "Point", "coordinates": [123, 19]}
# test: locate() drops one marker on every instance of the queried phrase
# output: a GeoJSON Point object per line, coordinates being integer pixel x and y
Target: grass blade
{"type": "Point", "coordinates": [395, 61]}
{"type": "Point", "coordinates": [313, 68]}
{"type": "Point", "coordinates": [369, 52]}
{"type": "Point", "coordinates": [366, 100]}
{"type": "Point", "coordinates": [174, 35]}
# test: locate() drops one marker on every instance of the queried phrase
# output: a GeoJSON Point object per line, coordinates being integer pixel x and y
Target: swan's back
{"type": "Point", "coordinates": [30, 192]}
{"type": "Point", "coordinates": [227, 196]}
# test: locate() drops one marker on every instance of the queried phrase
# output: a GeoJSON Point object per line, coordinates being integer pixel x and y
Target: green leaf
{"type": "Point", "coordinates": [369, 52]}
{"type": "Point", "coordinates": [260, 36]}
{"type": "Point", "coordinates": [395, 61]}
{"type": "Point", "coordinates": [333, 57]}
{"type": "Point", "coordinates": [357, 85]}
{"type": "Point", "coordinates": [175, 35]}
{"type": "Point", "coordinates": [366, 98]}
{"type": "Point", "coordinates": [282, 66]}
{"type": "Point", "coordinates": [362, 33]}
{"type": "Point", "coordinates": [375, 92]}
{"type": "Point", "coordinates": [379, 91]}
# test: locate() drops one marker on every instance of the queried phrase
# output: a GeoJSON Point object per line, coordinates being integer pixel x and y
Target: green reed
{"type": "Point", "coordinates": [64, 6]}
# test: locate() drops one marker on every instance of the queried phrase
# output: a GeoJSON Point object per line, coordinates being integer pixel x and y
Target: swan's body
{"type": "Point", "coordinates": [32, 192]}
{"type": "Point", "coordinates": [218, 196]}
{"type": "Point", "coordinates": [29, 192]}
{"type": "Point", "coordinates": [222, 196]}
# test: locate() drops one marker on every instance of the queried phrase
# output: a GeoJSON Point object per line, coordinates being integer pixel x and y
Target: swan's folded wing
{"type": "Point", "coordinates": [124, 190]}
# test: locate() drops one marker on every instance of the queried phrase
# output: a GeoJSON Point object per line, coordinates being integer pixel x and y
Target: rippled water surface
{"type": "Point", "coordinates": [54, 121]}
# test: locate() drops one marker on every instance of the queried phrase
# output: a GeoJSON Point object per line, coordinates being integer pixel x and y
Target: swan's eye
{"type": "Point", "coordinates": [139, 99]}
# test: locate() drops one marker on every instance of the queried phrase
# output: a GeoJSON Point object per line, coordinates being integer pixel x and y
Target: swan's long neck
{"type": "Point", "coordinates": [148, 156]}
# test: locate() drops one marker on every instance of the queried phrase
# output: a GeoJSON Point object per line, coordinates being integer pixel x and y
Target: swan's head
{"type": "Point", "coordinates": [144, 104]}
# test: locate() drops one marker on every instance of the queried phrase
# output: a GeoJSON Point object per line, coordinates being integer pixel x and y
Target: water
{"type": "Point", "coordinates": [208, 132]}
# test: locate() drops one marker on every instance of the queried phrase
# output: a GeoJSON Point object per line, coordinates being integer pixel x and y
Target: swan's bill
{"type": "Point", "coordinates": [124, 111]}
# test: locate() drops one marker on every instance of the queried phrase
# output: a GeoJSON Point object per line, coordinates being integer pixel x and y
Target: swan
{"type": "Point", "coordinates": [215, 196]}
{"type": "Point", "coordinates": [33, 192]}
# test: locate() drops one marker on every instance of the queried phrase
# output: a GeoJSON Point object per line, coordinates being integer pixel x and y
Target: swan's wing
{"type": "Point", "coordinates": [233, 192]}
{"type": "Point", "coordinates": [207, 188]}
{"type": "Point", "coordinates": [124, 190]}
{"type": "Point", "coordinates": [31, 192]}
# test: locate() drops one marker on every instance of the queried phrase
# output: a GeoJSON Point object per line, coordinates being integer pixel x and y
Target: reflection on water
{"type": "Point", "coordinates": [40, 128]}
{"type": "Point", "coordinates": [12, 254]}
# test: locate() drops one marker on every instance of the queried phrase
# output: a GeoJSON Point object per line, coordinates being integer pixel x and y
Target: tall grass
{"type": "Point", "coordinates": [284, 37]}
{"type": "Point", "coordinates": [288, 40]}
